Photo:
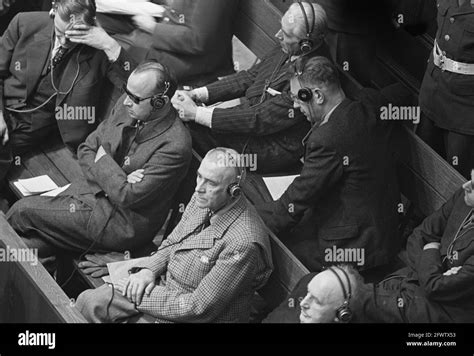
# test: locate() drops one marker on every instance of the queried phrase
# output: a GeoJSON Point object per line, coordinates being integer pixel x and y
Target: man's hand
{"type": "Point", "coordinates": [136, 176]}
{"type": "Point", "coordinates": [191, 93]}
{"type": "Point", "coordinates": [452, 271]}
{"type": "Point", "coordinates": [100, 153]}
{"type": "Point", "coordinates": [145, 23]}
{"type": "Point", "coordinates": [93, 36]}
{"type": "Point", "coordinates": [435, 245]}
{"type": "Point", "coordinates": [3, 130]}
{"type": "Point", "coordinates": [138, 284]}
{"type": "Point", "coordinates": [185, 105]}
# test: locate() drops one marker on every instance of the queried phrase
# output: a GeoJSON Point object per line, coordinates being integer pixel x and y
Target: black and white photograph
{"type": "Point", "coordinates": [233, 169]}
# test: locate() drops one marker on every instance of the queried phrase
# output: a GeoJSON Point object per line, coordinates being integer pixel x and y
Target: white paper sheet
{"type": "Point", "coordinates": [55, 192]}
{"type": "Point", "coordinates": [130, 7]}
{"type": "Point", "coordinates": [36, 185]}
{"type": "Point", "coordinates": [278, 185]}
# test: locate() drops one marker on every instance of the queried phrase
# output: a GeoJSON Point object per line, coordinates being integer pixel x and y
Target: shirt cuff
{"type": "Point", "coordinates": [202, 94]}
{"type": "Point", "coordinates": [204, 116]}
{"type": "Point", "coordinates": [114, 54]}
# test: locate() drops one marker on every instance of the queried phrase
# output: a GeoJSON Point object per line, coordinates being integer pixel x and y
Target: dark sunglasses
{"type": "Point", "coordinates": [136, 99]}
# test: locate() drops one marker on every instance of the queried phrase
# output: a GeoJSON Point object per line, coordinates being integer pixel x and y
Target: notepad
{"type": "Point", "coordinates": [36, 185]}
{"type": "Point", "coordinates": [56, 192]}
{"type": "Point", "coordinates": [278, 185]}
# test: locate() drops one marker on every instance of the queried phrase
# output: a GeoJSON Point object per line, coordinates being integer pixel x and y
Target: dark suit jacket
{"type": "Point", "coordinates": [197, 39]}
{"type": "Point", "coordinates": [347, 191]}
{"type": "Point", "coordinates": [273, 116]}
{"type": "Point", "coordinates": [445, 298]}
{"type": "Point", "coordinates": [26, 45]}
{"type": "Point", "coordinates": [448, 98]}
{"type": "Point", "coordinates": [129, 215]}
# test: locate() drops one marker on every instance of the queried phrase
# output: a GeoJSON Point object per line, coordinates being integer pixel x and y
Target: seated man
{"type": "Point", "coordinates": [51, 75]}
{"type": "Point", "coordinates": [438, 284]}
{"type": "Point", "coordinates": [264, 124]}
{"type": "Point", "coordinates": [133, 164]}
{"type": "Point", "coordinates": [194, 39]}
{"type": "Point", "coordinates": [208, 269]}
{"type": "Point", "coordinates": [344, 203]}
{"type": "Point", "coordinates": [324, 297]}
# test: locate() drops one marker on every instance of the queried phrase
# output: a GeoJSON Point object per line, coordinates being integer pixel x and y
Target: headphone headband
{"type": "Point", "coordinates": [306, 45]}
{"type": "Point", "coordinates": [344, 312]}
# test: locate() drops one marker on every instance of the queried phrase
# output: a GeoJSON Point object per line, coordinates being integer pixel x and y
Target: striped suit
{"type": "Point", "coordinates": [270, 125]}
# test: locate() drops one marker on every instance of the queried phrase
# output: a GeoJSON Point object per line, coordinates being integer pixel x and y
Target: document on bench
{"type": "Point", "coordinates": [119, 270]}
{"type": "Point", "coordinates": [130, 7]}
{"type": "Point", "coordinates": [36, 185]}
{"type": "Point", "coordinates": [278, 185]}
{"type": "Point", "coordinates": [56, 192]}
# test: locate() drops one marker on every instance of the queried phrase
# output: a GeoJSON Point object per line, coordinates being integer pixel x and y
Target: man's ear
{"type": "Point", "coordinates": [319, 97]}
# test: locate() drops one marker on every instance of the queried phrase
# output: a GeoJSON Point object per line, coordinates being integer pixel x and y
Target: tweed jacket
{"type": "Point", "coordinates": [126, 215]}
{"type": "Point", "coordinates": [210, 276]}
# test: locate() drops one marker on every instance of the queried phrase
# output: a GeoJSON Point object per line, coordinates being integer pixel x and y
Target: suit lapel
{"type": "Point", "coordinates": [79, 54]}
{"type": "Point", "coordinates": [37, 54]}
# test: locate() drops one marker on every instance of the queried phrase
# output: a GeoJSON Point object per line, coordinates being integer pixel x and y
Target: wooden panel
{"type": "Point", "coordinates": [64, 161]}
{"type": "Point", "coordinates": [425, 178]}
{"type": "Point", "coordinates": [28, 294]}
{"type": "Point", "coordinates": [258, 23]}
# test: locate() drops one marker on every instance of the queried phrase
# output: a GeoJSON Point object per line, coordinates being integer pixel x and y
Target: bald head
{"type": "Point", "coordinates": [325, 295]}
{"type": "Point", "coordinates": [318, 19]}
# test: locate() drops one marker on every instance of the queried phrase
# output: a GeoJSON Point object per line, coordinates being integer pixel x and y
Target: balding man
{"type": "Point", "coordinates": [207, 270]}
{"type": "Point", "coordinates": [132, 164]}
{"type": "Point", "coordinates": [326, 297]}
{"type": "Point", "coordinates": [265, 123]}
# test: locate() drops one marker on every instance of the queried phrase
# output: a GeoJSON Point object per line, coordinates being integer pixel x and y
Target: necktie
{"type": "Point", "coordinates": [207, 221]}
{"type": "Point", "coordinates": [59, 55]}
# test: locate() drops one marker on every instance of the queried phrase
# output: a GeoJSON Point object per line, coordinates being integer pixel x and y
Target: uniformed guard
{"type": "Point", "coordinates": [447, 92]}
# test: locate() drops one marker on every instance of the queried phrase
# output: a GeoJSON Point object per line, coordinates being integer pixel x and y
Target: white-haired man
{"type": "Point", "coordinates": [207, 270]}
{"type": "Point", "coordinates": [265, 123]}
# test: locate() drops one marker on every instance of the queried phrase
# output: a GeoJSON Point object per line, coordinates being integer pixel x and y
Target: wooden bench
{"type": "Point", "coordinates": [28, 294]}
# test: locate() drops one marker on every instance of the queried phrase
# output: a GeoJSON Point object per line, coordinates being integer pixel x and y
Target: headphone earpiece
{"type": "Point", "coordinates": [307, 44]}
{"type": "Point", "coordinates": [343, 313]}
{"type": "Point", "coordinates": [234, 190]}
{"type": "Point", "coordinates": [159, 100]}
{"type": "Point", "coordinates": [305, 95]}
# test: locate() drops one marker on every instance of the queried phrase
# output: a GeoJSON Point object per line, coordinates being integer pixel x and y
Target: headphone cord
{"type": "Point", "coordinates": [56, 91]}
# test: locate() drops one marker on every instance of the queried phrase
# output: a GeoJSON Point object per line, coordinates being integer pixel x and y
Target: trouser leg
{"type": "Point", "coordinates": [105, 305]}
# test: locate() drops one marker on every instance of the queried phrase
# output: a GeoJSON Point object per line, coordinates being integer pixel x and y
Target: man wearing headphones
{"type": "Point", "coordinates": [347, 195]}
{"type": "Point", "coordinates": [265, 123]}
{"type": "Point", "coordinates": [329, 296]}
{"type": "Point", "coordinates": [207, 270]}
{"type": "Point", "coordinates": [52, 71]}
{"type": "Point", "coordinates": [133, 165]}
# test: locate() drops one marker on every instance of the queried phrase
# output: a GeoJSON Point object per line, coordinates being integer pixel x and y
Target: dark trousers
{"type": "Point", "coordinates": [22, 141]}
{"type": "Point", "coordinates": [270, 156]}
{"type": "Point", "coordinates": [53, 224]}
{"type": "Point", "coordinates": [456, 148]}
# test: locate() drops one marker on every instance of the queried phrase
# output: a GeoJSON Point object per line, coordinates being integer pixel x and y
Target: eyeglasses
{"type": "Point", "coordinates": [136, 99]}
